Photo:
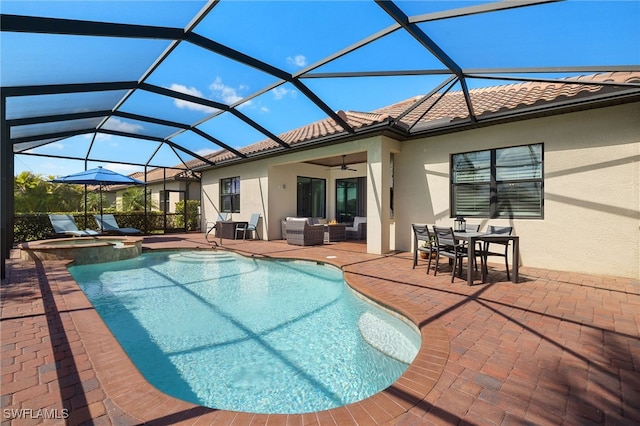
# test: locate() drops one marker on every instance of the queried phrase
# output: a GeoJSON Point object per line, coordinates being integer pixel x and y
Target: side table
{"type": "Point", "coordinates": [335, 232]}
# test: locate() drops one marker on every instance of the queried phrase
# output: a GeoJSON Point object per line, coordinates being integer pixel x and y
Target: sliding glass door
{"type": "Point", "coordinates": [312, 197]}
{"type": "Point", "coordinates": [351, 198]}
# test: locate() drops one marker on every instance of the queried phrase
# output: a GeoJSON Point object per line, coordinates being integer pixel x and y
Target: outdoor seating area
{"type": "Point", "coordinates": [467, 242]}
{"type": "Point", "coordinates": [490, 352]}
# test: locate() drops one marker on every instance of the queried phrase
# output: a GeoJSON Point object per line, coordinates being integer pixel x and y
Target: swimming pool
{"type": "Point", "coordinates": [243, 334]}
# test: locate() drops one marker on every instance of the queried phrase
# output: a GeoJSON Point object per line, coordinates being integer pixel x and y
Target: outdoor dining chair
{"type": "Point", "coordinates": [252, 226]}
{"type": "Point", "coordinates": [486, 249]}
{"type": "Point", "coordinates": [447, 246]}
{"type": "Point", "coordinates": [423, 242]}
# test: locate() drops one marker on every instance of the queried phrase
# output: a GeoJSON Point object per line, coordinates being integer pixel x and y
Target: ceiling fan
{"type": "Point", "coordinates": [344, 165]}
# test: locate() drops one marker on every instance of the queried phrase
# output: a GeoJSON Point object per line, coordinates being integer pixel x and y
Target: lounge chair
{"type": "Point", "coordinates": [65, 224]}
{"type": "Point", "coordinates": [358, 230]}
{"type": "Point", "coordinates": [107, 223]}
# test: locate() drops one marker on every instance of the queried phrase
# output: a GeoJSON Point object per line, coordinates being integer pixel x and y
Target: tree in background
{"type": "Point", "coordinates": [192, 214]}
{"type": "Point", "coordinates": [133, 199]}
{"type": "Point", "coordinates": [35, 194]}
{"type": "Point", "coordinates": [93, 201]}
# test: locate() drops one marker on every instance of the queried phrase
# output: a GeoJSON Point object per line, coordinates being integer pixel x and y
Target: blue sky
{"type": "Point", "coordinates": [289, 35]}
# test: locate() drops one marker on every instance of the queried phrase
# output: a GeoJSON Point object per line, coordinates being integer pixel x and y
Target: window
{"type": "Point", "coordinates": [498, 183]}
{"type": "Point", "coordinates": [230, 195]}
{"type": "Point", "coordinates": [311, 197]}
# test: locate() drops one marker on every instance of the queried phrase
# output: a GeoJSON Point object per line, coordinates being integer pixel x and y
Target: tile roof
{"type": "Point", "coordinates": [503, 98]}
{"type": "Point", "coordinates": [449, 108]}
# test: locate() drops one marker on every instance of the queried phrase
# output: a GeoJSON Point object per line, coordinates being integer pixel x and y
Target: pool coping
{"type": "Point", "coordinates": [129, 394]}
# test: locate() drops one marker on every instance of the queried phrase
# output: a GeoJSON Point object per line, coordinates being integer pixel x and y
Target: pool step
{"type": "Point", "coordinates": [386, 338]}
{"type": "Point", "coordinates": [203, 256]}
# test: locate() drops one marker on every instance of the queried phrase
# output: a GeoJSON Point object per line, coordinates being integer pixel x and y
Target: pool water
{"type": "Point", "coordinates": [243, 334]}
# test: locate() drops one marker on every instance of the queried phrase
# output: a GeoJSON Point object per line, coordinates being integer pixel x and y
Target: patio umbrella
{"type": "Point", "coordinates": [98, 176]}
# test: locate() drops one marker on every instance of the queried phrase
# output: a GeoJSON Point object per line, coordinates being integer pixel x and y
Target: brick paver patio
{"type": "Point", "coordinates": [555, 348]}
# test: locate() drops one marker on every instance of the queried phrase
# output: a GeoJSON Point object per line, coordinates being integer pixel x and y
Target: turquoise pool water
{"type": "Point", "coordinates": [243, 334]}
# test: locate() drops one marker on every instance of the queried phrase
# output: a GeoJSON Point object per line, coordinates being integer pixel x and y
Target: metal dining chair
{"type": "Point", "coordinates": [423, 242]}
{"type": "Point", "coordinates": [447, 246]}
{"type": "Point", "coordinates": [252, 226]}
{"type": "Point", "coordinates": [486, 249]}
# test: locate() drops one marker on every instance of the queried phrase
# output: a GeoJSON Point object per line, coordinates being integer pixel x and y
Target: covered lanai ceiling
{"type": "Point", "coordinates": [168, 83]}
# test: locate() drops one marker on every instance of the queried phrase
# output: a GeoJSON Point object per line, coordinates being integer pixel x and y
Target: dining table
{"type": "Point", "coordinates": [472, 237]}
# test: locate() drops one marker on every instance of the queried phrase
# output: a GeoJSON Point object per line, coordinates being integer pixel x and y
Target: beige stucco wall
{"type": "Point", "coordinates": [591, 188]}
{"type": "Point", "coordinates": [591, 218]}
{"type": "Point", "coordinates": [268, 186]}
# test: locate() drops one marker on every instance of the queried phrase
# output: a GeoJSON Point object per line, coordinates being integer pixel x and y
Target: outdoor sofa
{"type": "Point", "coordinates": [300, 232]}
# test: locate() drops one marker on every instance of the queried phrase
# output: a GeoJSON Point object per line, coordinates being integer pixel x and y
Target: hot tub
{"type": "Point", "coordinates": [83, 250]}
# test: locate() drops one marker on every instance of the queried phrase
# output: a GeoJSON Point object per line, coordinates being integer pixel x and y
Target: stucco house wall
{"type": "Point", "coordinates": [591, 188]}
{"type": "Point", "coordinates": [591, 217]}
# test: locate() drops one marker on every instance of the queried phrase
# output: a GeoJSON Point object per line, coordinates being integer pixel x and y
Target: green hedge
{"type": "Point", "coordinates": [36, 226]}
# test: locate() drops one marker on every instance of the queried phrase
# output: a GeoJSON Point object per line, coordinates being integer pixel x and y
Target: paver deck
{"type": "Point", "coordinates": [555, 348]}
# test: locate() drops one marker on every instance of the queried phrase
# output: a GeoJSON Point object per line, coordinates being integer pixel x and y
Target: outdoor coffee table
{"type": "Point", "coordinates": [335, 232]}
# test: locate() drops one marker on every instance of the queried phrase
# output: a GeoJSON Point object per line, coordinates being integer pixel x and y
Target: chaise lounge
{"type": "Point", "coordinates": [107, 223]}
{"type": "Point", "coordinates": [65, 224]}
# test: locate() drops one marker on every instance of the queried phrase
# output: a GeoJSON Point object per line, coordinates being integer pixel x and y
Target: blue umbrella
{"type": "Point", "coordinates": [98, 176]}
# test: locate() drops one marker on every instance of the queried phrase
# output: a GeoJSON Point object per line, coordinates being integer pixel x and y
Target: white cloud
{"type": "Point", "coordinates": [121, 126]}
{"type": "Point", "coordinates": [226, 94]}
{"type": "Point", "coordinates": [190, 105]}
{"type": "Point", "coordinates": [280, 92]}
{"type": "Point", "coordinates": [297, 61]}
{"type": "Point", "coordinates": [125, 169]}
